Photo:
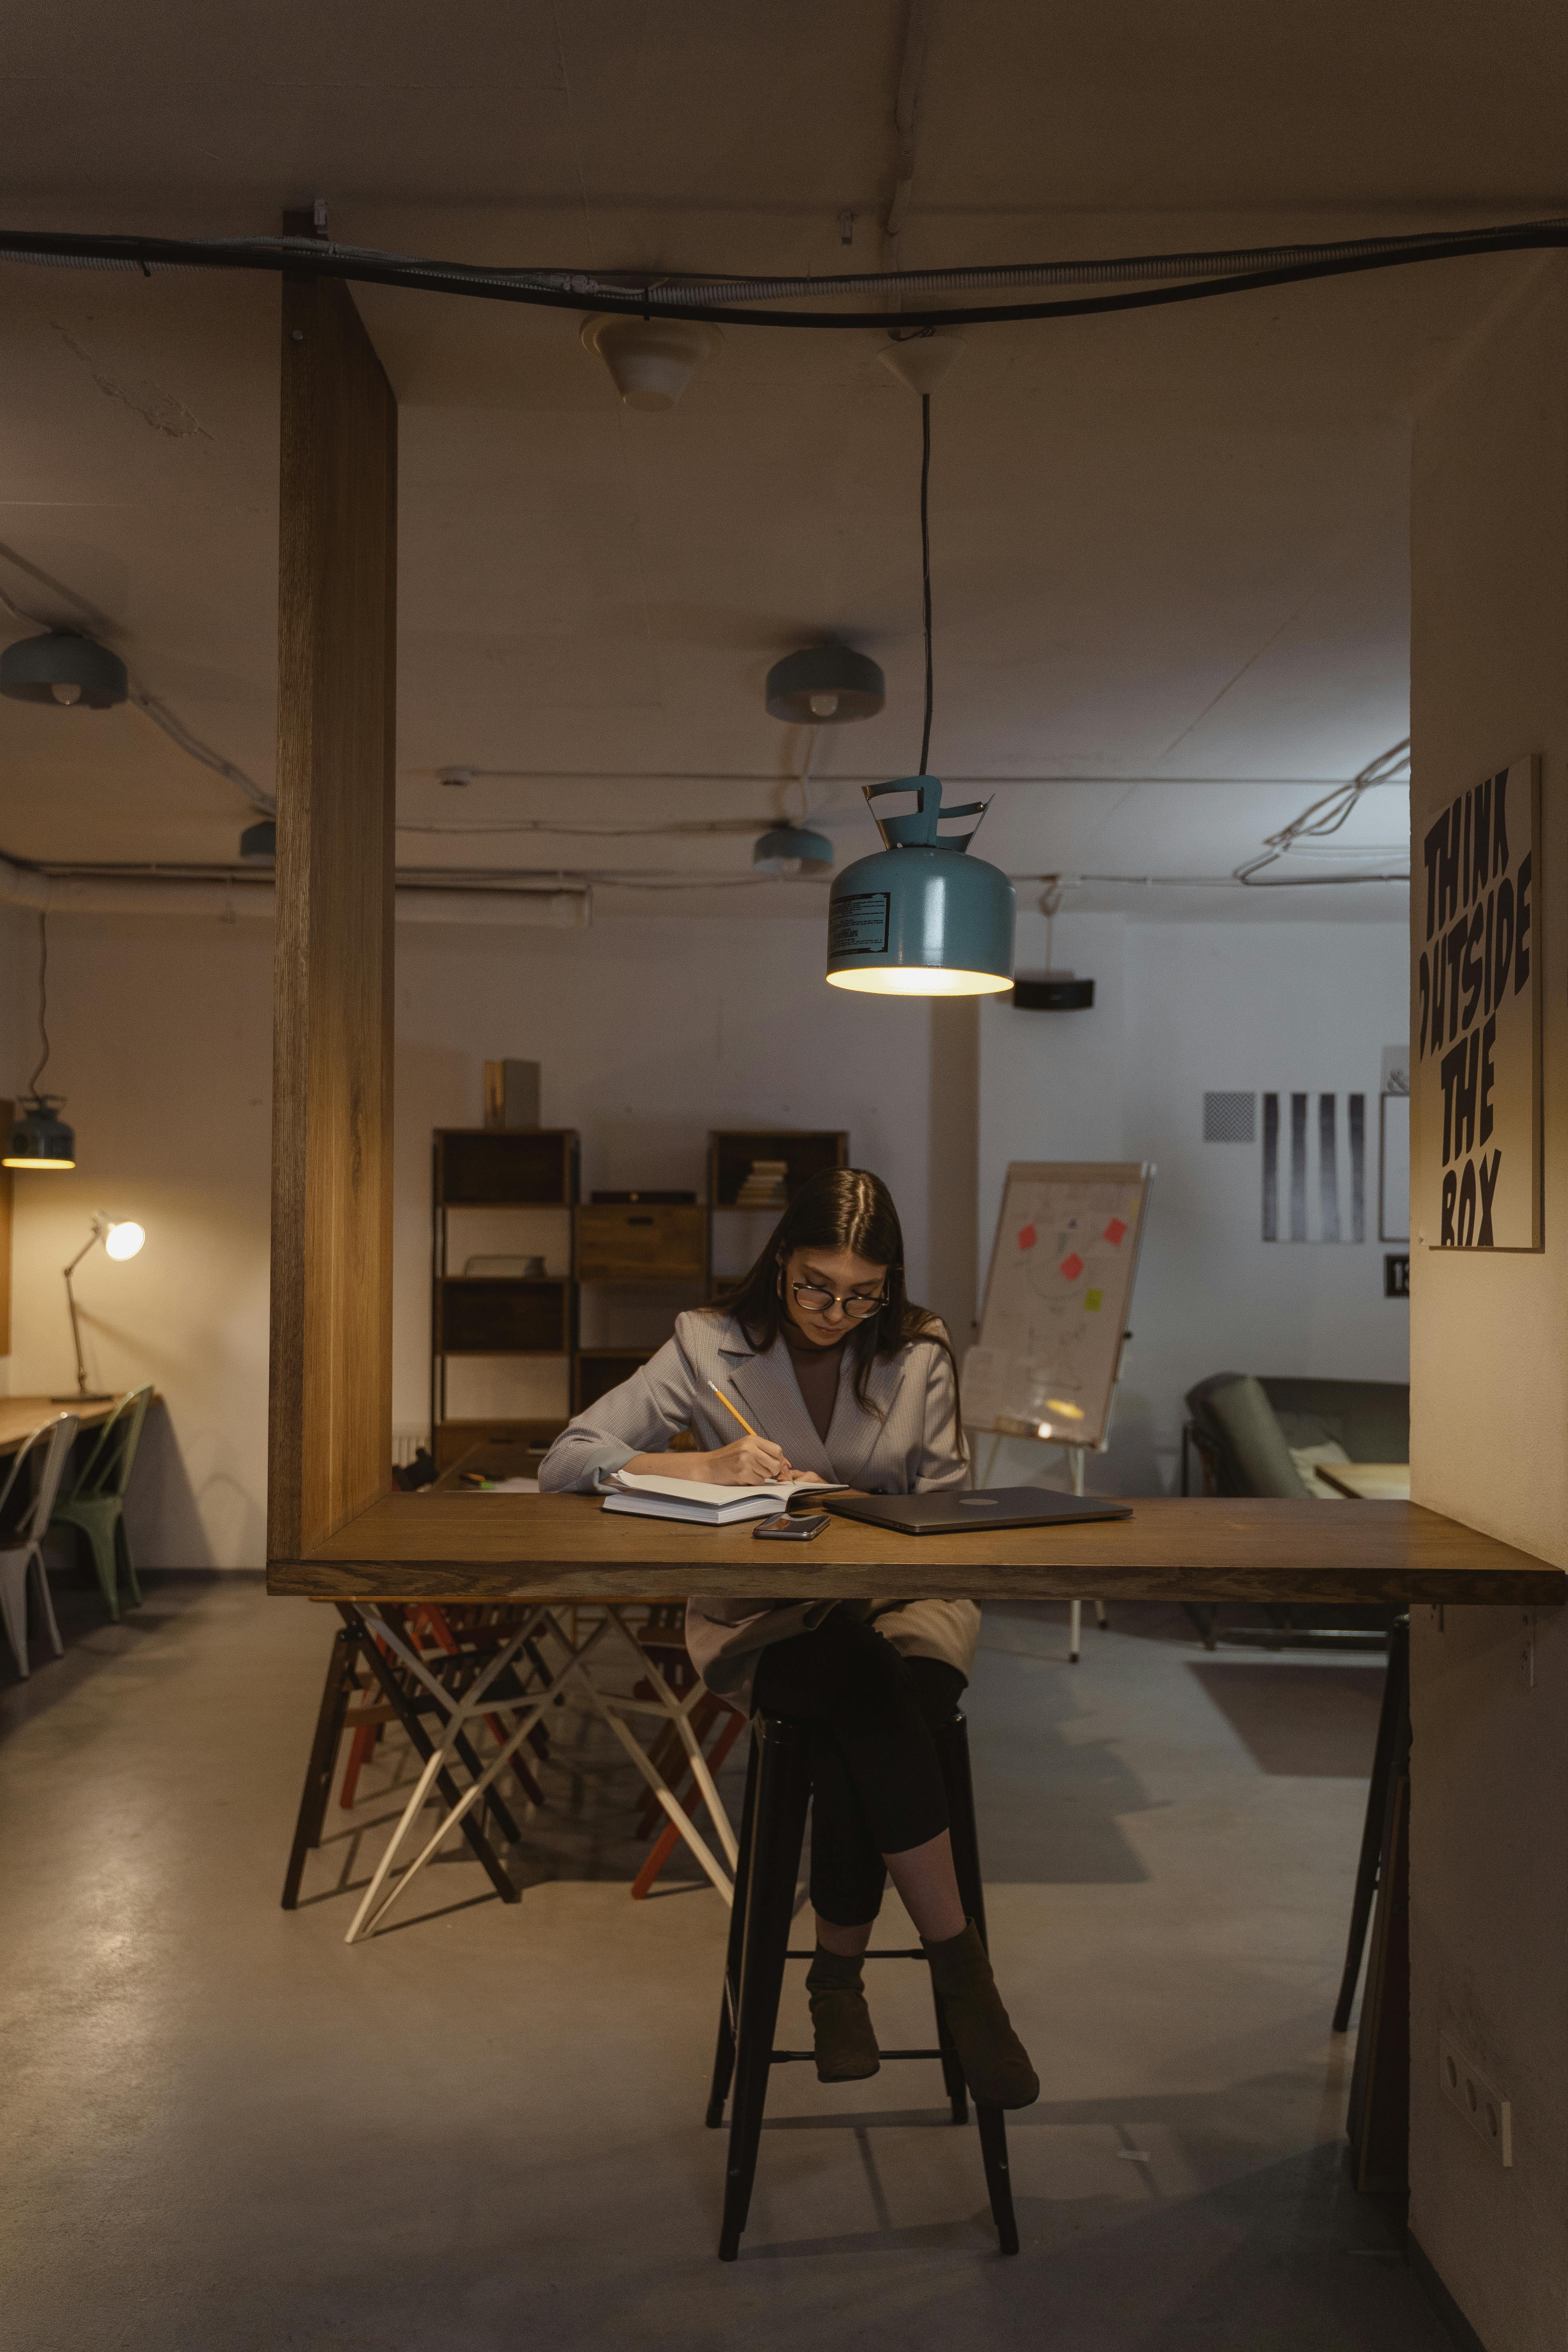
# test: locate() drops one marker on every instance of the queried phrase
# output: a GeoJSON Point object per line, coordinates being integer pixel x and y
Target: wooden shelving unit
{"type": "Point", "coordinates": [510, 1316]}
{"type": "Point", "coordinates": [630, 1244]}
{"type": "Point", "coordinates": [805, 1152]}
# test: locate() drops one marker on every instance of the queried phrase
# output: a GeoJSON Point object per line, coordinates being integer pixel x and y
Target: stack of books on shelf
{"type": "Point", "coordinates": [765, 1187]}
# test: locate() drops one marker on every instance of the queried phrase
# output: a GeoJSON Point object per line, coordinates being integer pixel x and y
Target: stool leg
{"type": "Point", "coordinates": [783, 1791]}
{"type": "Point", "coordinates": [952, 2067]}
{"type": "Point", "coordinates": [952, 1747]}
{"type": "Point", "coordinates": [318, 1788]}
{"type": "Point", "coordinates": [992, 2128]}
{"type": "Point", "coordinates": [724, 2056]}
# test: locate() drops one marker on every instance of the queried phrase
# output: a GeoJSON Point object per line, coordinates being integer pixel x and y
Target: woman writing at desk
{"type": "Point", "coordinates": [852, 1383]}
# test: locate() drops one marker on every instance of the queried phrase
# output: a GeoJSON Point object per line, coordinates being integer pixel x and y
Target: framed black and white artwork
{"type": "Point", "coordinates": [1476, 1018]}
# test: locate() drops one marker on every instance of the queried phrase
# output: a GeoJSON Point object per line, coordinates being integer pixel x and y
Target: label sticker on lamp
{"type": "Point", "coordinates": [859, 925]}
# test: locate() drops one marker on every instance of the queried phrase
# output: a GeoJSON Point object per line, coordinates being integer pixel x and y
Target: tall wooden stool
{"type": "Point", "coordinates": [773, 1828]}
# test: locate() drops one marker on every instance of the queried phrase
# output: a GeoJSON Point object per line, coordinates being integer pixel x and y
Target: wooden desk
{"type": "Point", "coordinates": [474, 1547]}
{"type": "Point", "coordinates": [1368, 1482]}
{"type": "Point", "coordinates": [20, 1416]}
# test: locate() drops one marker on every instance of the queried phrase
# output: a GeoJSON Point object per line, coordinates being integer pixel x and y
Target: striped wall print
{"type": "Point", "coordinates": [1314, 1168]}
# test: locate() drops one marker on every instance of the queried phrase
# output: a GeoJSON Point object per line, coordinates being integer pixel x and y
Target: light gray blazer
{"type": "Point", "coordinates": [908, 1444]}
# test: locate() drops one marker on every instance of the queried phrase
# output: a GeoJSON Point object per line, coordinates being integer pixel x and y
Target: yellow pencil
{"type": "Point", "coordinates": [731, 1409]}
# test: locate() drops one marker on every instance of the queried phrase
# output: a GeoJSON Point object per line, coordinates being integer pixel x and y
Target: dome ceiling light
{"type": "Point", "coordinates": [651, 360]}
{"type": "Point", "coordinates": [259, 843]}
{"type": "Point", "coordinates": [824, 686]}
{"type": "Point", "coordinates": [63, 667]}
{"type": "Point", "coordinates": [919, 918]}
{"type": "Point", "coordinates": [792, 849]}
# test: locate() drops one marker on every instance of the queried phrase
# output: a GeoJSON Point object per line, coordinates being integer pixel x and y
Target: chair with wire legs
{"type": "Point", "coordinates": [23, 1516]}
{"type": "Point", "coordinates": [773, 1828]}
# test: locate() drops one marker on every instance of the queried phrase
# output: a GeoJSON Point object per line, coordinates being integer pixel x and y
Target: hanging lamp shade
{"type": "Point", "coordinates": [920, 918]}
{"type": "Point", "coordinates": [259, 843]}
{"type": "Point", "coordinates": [823, 686]}
{"type": "Point", "coordinates": [65, 668]}
{"type": "Point", "coordinates": [37, 1139]}
{"type": "Point", "coordinates": [792, 849]}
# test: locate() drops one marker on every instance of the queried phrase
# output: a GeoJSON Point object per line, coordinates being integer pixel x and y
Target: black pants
{"type": "Point", "coordinates": [875, 1779]}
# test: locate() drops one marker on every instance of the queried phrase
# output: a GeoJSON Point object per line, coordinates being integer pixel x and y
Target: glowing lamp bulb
{"type": "Point", "coordinates": [823, 706]}
{"type": "Point", "coordinates": [65, 692]}
{"type": "Point", "coordinates": [124, 1240]}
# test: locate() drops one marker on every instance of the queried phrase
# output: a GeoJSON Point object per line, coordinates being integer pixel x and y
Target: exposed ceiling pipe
{"type": "Point", "coordinates": [228, 901]}
{"type": "Point", "coordinates": [917, 31]}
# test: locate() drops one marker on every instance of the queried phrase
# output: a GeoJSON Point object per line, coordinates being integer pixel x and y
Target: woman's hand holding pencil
{"type": "Point", "coordinates": [753, 1460]}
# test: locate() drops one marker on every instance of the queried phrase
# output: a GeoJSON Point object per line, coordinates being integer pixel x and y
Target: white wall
{"type": "Point", "coordinates": [1182, 1008]}
{"type": "Point", "coordinates": [1489, 1902]}
{"type": "Point", "coordinates": [649, 1032]}
{"type": "Point", "coordinates": [163, 1045]}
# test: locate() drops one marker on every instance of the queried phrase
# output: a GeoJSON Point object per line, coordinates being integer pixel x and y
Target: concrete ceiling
{"type": "Point", "coordinates": [1169, 549]}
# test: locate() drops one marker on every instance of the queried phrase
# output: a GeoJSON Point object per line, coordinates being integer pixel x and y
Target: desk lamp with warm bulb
{"type": "Point", "coordinates": [120, 1239]}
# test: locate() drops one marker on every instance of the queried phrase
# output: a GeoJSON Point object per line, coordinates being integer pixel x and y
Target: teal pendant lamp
{"type": "Point", "coordinates": [920, 918]}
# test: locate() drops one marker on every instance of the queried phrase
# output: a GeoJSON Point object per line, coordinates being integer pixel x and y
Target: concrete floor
{"type": "Point", "coordinates": [223, 2128]}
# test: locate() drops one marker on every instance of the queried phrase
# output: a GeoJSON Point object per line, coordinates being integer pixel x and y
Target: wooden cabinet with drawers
{"type": "Point", "coordinates": [636, 1242]}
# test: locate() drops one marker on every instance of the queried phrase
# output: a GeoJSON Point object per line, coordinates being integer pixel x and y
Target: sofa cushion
{"type": "Point", "coordinates": [1260, 1457]}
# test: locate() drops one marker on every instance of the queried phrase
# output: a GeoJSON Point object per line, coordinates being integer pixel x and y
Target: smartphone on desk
{"type": "Point", "coordinates": [785, 1528]}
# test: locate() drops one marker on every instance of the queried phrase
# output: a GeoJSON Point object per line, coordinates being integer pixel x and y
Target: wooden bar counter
{"type": "Point", "coordinates": [477, 1547]}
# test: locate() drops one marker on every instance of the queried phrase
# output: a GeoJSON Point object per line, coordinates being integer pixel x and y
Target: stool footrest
{"type": "Point", "coordinates": [889, 1954]}
{"type": "Point", "coordinates": [783, 2057]}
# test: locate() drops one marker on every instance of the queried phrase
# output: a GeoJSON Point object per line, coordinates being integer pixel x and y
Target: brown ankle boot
{"type": "Point", "coordinates": [840, 2022]}
{"type": "Point", "coordinates": [995, 2063]}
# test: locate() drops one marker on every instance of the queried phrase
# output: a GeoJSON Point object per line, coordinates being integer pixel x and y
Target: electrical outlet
{"type": "Point", "coordinates": [1489, 2115]}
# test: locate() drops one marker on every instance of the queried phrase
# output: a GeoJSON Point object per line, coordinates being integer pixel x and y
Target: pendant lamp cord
{"type": "Point", "coordinates": [43, 1003]}
{"type": "Point", "coordinates": [925, 562]}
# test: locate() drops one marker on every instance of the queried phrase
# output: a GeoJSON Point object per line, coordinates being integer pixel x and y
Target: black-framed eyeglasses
{"type": "Point", "coordinates": [814, 1300]}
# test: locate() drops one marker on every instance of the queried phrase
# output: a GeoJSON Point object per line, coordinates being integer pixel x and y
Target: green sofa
{"type": "Point", "coordinates": [1243, 1428]}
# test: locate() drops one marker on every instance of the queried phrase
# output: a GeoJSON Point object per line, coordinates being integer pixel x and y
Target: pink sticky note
{"type": "Point", "coordinates": [1072, 1265]}
{"type": "Point", "coordinates": [1028, 1237]}
{"type": "Point", "coordinates": [1114, 1230]}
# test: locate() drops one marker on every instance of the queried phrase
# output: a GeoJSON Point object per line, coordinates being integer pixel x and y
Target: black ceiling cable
{"type": "Point", "coordinates": [43, 1010]}
{"type": "Point", "coordinates": [925, 560]}
{"type": "Point", "coordinates": [731, 302]}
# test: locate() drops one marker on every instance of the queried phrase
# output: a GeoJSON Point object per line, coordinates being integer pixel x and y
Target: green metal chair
{"type": "Point", "coordinates": [95, 1505]}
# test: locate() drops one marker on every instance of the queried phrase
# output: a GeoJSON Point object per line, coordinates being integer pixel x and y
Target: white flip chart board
{"type": "Point", "coordinates": [1057, 1300]}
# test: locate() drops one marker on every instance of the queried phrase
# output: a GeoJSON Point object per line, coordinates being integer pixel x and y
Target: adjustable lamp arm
{"type": "Point", "coordinates": [92, 1243]}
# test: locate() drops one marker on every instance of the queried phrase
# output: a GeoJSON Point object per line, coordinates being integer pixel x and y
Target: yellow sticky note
{"type": "Point", "coordinates": [1093, 1299]}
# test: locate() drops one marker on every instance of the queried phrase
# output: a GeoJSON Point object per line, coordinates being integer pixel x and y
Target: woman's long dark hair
{"type": "Point", "coordinates": [842, 1209]}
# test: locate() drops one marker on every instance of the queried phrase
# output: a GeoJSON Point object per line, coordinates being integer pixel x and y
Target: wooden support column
{"type": "Point", "coordinates": [330, 1439]}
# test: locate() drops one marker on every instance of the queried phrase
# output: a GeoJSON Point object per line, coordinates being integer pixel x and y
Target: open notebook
{"type": "Point", "coordinates": [702, 1504]}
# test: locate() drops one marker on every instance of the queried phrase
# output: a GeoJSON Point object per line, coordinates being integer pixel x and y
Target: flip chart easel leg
{"type": "Point", "coordinates": [1075, 1627]}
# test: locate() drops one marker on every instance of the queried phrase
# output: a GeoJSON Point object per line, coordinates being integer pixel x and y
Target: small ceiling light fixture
{"type": "Point", "coordinates": [65, 668]}
{"type": "Point", "coordinates": [792, 849]}
{"type": "Point", "coordinates": [824, 686]}
{"type": "Point", "coordinates": [918, 917]}
{"type": "Point", "coordinates": [259, 843]}
{"type": "Point", "coordinates": [651, 360]}
{"type": "Point", "coordinates": [121, 1238]}
{"type": "Point", "coordinates": [922, 359]}
{"type": "Point", "coordinates": [1052, 991]}
{"type": "Point", "coordinates": [37, 1139]}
